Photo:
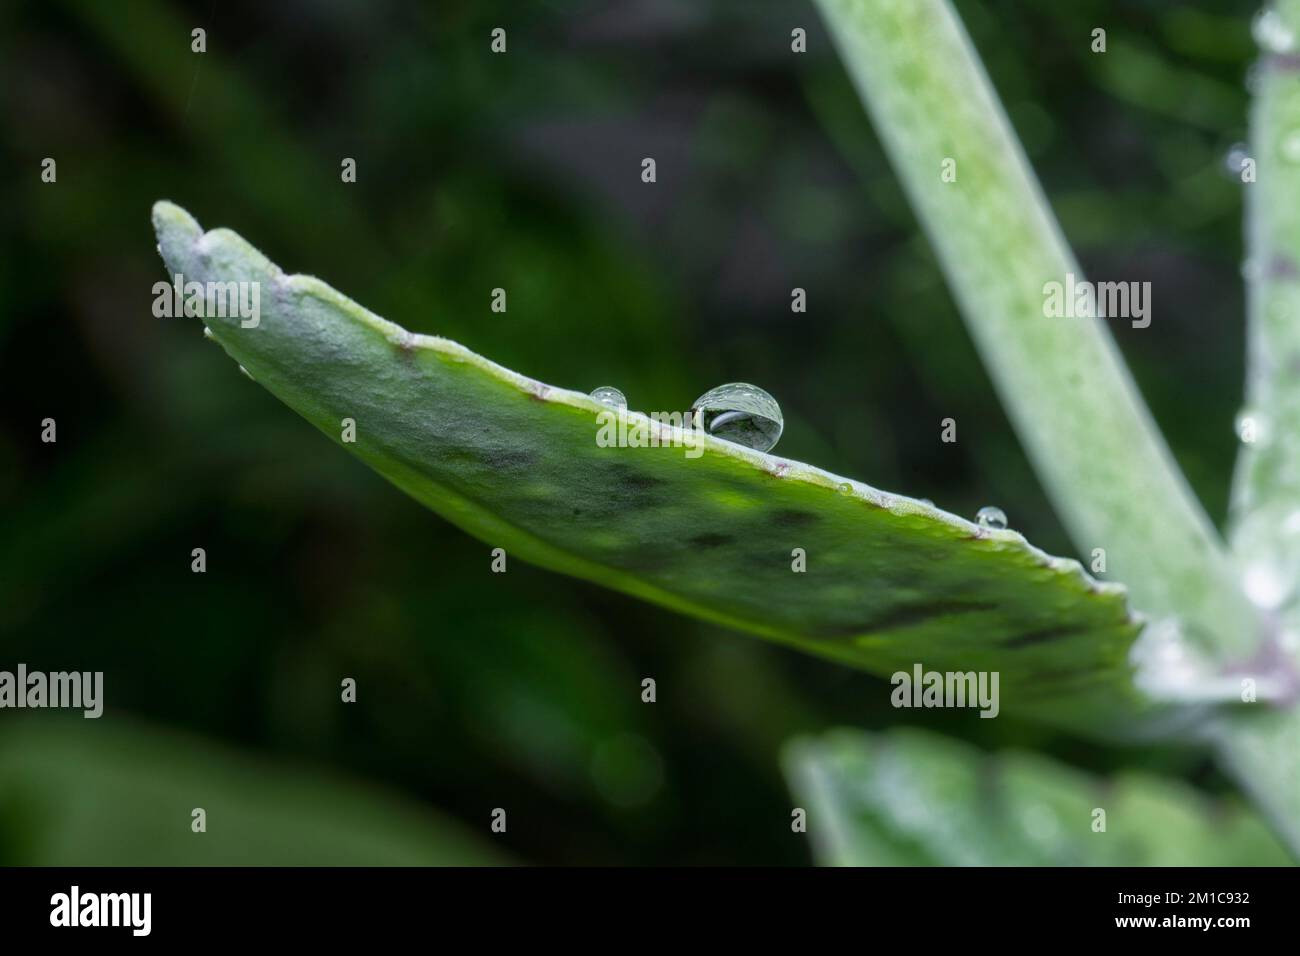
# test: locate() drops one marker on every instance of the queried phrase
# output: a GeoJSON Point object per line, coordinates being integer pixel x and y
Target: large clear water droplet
{"type": "Point", "coordinates": [740, 413]}
{"type": "Point", "coordinates": [1271, 32]}
{"type": "Point", "coordinates": [991, 517]}
{"type": "Point", "coordinates": [609, 395]}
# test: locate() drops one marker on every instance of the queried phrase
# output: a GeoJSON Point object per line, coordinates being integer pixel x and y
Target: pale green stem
{"type": "Point", "coordinates": [1077, 411]}
{"type": "Point", "coordinates": [1266, 492]}
{"type": "Point", "coordinates": [1262, 746]}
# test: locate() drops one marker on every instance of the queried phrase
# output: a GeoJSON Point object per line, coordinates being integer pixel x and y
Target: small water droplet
{"type": "Point", "coordinates": [1236, 158]}
{"type": "Point", "coordinates": [207, 334]}
{"type": "Point", "coordinates": [1291, 146]}
{"type": "Point", "coordinates": [1271, 32]}
{"type": "Point", "coordinates": [845, 488]}
{"type": "Point", "coordinates": [740, 413]}
{"type": "Point", "coordinates": [1249, 427]}
{"type": "Point", "coordinates": [1268, 539]}
{"type": "Point", "coordinates": [609, 395]}
{"type": "Point", "coordinates": [248, 373]}
{"type": "Point", "coordinates": [158, 246]}
{"type": "Point", "coordinates": [1267, 584]}
{"type": "Point", "coordinates": [991, 517]}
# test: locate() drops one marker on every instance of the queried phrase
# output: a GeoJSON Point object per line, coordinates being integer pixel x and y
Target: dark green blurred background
{"type": "Point", "coordinates": [523, 171]}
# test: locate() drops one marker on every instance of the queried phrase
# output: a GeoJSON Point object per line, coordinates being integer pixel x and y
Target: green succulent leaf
{"type": "Point", "coordinates": [889, 580]}
{"type": "Point", "coordinates": [93, 793]}
{"type": "Point", "coordinates": [912, 798]}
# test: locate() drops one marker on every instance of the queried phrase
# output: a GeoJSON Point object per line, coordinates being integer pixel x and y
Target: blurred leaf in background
{"type": "Point", "coordinates": [72, 794]}
{"type": "Point", "coordinates": [909, 798]}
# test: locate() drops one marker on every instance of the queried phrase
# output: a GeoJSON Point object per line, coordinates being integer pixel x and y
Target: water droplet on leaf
{"type": "Point", "coordinates": [1271, 32]}
{"type": "Point", "coordinates": [1266, 585]}
{"type": "Point", "coordinates": [609, 395]}
{"type": "Point", "coordinates": [1249, 427]}
{"type": "Point", "coordinates": [1269, 541]}
{"type": "Point", "coordinates": [1237, 155]}
{"type": "Point", "coordinates": [740, 413]}
{"type": "Point", "coordinates": [991, 517]}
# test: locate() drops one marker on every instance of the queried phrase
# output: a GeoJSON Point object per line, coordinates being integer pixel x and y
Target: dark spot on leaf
{"type": "Point", "coordinates": [790, 518]}
{"type": "Point", "coordinates": [908, 615]}
{"type": "Point", "coordinates": [508, 459]}
{"type": "Point", "coordinates": [1039, 637]}
{"type": "Point", "coordinates": [631, 478]}
{"type": "Point", "coordinates": [711, 540]}
{"type": "Point", "coordinates": [1051, 683]}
